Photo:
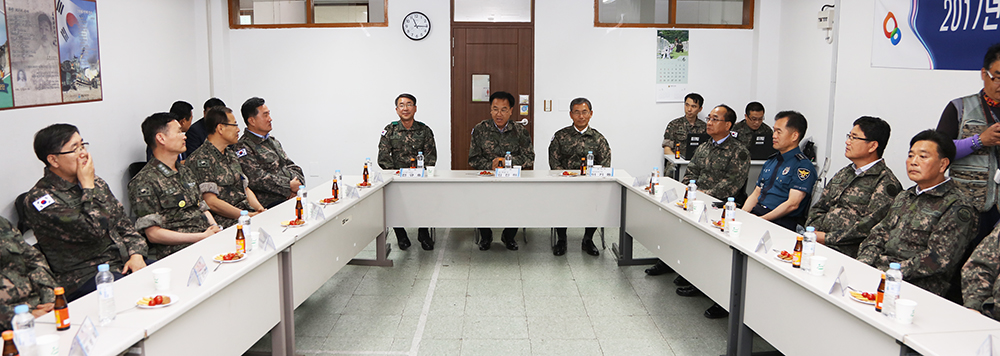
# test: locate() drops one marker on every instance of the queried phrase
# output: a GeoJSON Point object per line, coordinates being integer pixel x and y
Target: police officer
{"type": "Point", "coordinates": [217, 170]}
{"type": "Point", "coordinates": [928, 225]}
{"type": "Point", "coordinates": [26, 278]}
{"type": "Point", "coordinates": [566, 149]}
{"type": "Point", "coordinates": [678, 129]}
{"type": "Point", "coordinates": [164, 195]}
{"type": "Point", "coordinates": [786, 180]}
{"type": "Point", "coordinates": [752, 124]}
{"type": "Point", "coordinates": [78, 222]}
{"type": "Point", "coordinates": [401, 141]}
{"type": "Point", "coordinates": [859, 195]}
{"type": "Point", "coordinates": [491, 140]}
{"type": "Point", "coordinates": [271, 174]}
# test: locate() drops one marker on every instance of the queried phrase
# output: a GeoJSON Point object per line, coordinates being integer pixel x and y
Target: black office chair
{"type": "Point", "coordinates": [19, 208]}
{"type": "Point", "coordinates": [134, 169]}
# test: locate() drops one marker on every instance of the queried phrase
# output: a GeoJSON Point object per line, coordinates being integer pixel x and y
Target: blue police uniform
{"type": "Point", "coordinates": [781, 173]}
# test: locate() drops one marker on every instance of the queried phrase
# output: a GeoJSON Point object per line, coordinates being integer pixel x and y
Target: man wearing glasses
{"type": "Point", "coordinates": [860, 194]}
{"type": "Point", "coordinates": [217, 170]}
{"type": "Point", "coordinates": [78, 221]}
{"type": "Point", "coordinates": [973, 121]}
{"type": "Point", "coordinates": [270, 172]}
{"type": "Point", "coordinates": [752, 124]}
{"type": "Point", "coordinates": [401, 141]}
{"type": "Point", "coordinates": [491, 140]}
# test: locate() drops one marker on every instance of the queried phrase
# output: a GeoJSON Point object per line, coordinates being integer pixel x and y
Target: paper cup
{"type": "Point", "coordinates": [161, 278]}
{"type": "Point", "coordinates": [429, 171]}
{"type": "Point", "coordinates": [47, 345]}
{"type": "Point", "coordinates": [734, 229]}
{"type": "Point", "coordinates": [905, 309]}
{"type": "Point", "coordinates": [817, 265]}
{"type": "Point", "coordinates": [254, 237]}
{"type": "Point", "coordinates": [697, 207]}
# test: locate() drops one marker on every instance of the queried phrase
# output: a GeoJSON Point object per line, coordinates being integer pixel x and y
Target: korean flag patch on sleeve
{"type": "Point", "coordinates": [43, 202]}
{"type": "Point", "coordinates": [241, 153]}
{"type": "Point", "coordinates": [383, 132]}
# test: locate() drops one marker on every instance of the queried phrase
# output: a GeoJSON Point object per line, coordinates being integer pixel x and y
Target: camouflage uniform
{"type": "Point", "coordinates": [677, 131]}
{"type": "Point", "coordinates": [398, 144]}
{"type": "Point", "coordinates": [78, 229]}
{"type": "Point", "coordinates": [568, 146]}
{"type": "Point", "coordinates": [743, 132]}
{"type": "Point", "coordinates": [169, 199]}
{"type": "Point", "coordinates": [220, 173]}
{"type": "Point", "coordinates": [852, 204]}
{"type": "Point", "coordinates": [489, 143]}
{"type": "Point", "coordinates": [926, 234]}
{"type": "Point", "coordinates": [267, 167]}
{"type": "Point", "coordinates": [980, 287]}
{"type": "Point", "coordinates": [25, 278]}
{"type": "Point", "coordinates": [719, 169]}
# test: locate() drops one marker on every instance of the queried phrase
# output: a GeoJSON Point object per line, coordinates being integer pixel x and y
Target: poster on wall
{"type": "Point", "coordinates": [671, 65]}
{"type": "Point", "coordinates": [79, 60]}
{"type": "Point", "coordinates": [938, 34]}
{"type": "Point", "coordinates": [6, 99]}
{"type": "Point", "coordinates": [34, 52]}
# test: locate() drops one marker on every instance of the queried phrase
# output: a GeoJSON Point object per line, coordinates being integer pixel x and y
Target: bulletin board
{"type": "Point", "coordinates": [671, 65]}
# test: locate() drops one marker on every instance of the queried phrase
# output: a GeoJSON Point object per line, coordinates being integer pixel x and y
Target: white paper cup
{"type": "Point", "coordinates": [697, 207]}
{"type": "Point", "coordinates": [817, 265]}
{"type": "Point", "coordinates": [734, 229]}
{"type": "Point", "coordinates": [161, 278]}
{"type": "Point", "coordinates": [430, 171]}
{"type": "Point", "coordinates": [254, 237]}
{"type": "Point", "coordinates": [47, 345]}
{"type": "Point", "coordinates": [905, 309]}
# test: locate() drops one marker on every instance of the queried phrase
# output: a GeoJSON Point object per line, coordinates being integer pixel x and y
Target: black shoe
{"type": "Point", "coordinates": [658, 269]}
{"type": "Point", "coordinates": [715, 312]}
{"type": "Point", "coordinates": [403, 241]}
{"type": "Point", "coordinates": [424, 237]}
{"type": "Point", "coordinates": [560, 248]}
{"type": "Point", "coordinates": [589, 248]}
{"type": "Point", "coordinates": [681, 282]}
{"type": "Point", "coordinates": [688, 291]}
{"type": "Point", "coordinates": [510, 243]}
{"type": "Point", "coordinates": [485, 239]}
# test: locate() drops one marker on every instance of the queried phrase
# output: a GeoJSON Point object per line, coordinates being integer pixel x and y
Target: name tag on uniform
{"type": "Point", "coordinates": [602, 172]}
{"type": "Point", "coordinates": [43, 202]}
{"type": "Point", "coordinates": [411, 173]}
{"type": "Point", "coordinates": [508, 172]}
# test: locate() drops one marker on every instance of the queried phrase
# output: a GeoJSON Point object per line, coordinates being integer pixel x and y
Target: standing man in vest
{"type": "Point", "coordinates": [973, 121]}
{"type": "Point", "coordinates": [272, 175]}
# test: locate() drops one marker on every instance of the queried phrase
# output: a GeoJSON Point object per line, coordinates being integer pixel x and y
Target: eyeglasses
{"type": "Point", "coordinates": [405, 105]}
{"type": "Point", "coordinates": [853, 138]}
{"type": "Point", "coordinates": [228, 124]}
{"type": "Point", "coordinates": [82, 147]}
{"type": "Point", "coordinates": [994, 79]}
{"type": "Point", "coordinates": [502, 110]}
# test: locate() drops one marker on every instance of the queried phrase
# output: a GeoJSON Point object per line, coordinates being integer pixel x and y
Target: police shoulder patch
{"type": "Point", "coordinates": [242, 152]}
{"type": "Point", "coordinates": [804, 174]}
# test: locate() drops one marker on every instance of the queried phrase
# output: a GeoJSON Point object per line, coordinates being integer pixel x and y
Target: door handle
{"type": "Point", "coordinates": [523, 122]}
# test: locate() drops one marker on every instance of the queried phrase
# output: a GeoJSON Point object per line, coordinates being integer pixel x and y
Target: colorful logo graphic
{"type": "Point", "coordinates": [894, 35]}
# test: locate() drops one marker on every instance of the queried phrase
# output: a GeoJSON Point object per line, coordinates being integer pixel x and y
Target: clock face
{"type": "Point", "coordinates": [416, 26]}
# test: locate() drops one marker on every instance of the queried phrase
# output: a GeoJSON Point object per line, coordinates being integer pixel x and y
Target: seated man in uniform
{"type": "Point", "coordinates": [981, 277]}
{"type": "Point", "coordinates": [183, 111]}
{"type": "Point", "coordinates": [272, 175]}
{"type": "Point", "coordinates": [752, 124]}
{"type": "Point", "coordinates": [566, 149]}
{"type": "Point", "coordinates": [196, 135]}
{"type": "Point", "coordinates": [860, 194]}
{"type": "Point", "coordinates": [164, 194]}
{"type": "Point", "coordinates": [928, 225]}
{"type": "Point", "coordinates": [217, 171]}
{"type": "Point", "coordinates": [78, 222]}
{"type": "Point", "coordinates": [402, 140]}
{"type": "Point", "coordinates": [26, 278]}
{"type": "Point", "coordinates": [787, 178]}
{"type": "Point", "coordinates": [491, 140]}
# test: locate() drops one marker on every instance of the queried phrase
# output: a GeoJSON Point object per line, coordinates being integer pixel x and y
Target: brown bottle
{"type": "Point", "coordinates": [797, 253]}
{"type": "Point", "coordinates": [298, 208]}
{"type": "Point", "coordinates": [677, 151]}
{"type": "Point", "coordinates": [413, 162]}
{"type": "Point", "coordinates": [61, 310]}
{"type": "Point", "coordinates": [723, 220]}
{"type": "Point", "coordinates": [364, 174]}
{"type": "Point", "coordinates": [9, 349]}
{"type": "Point", "coordinates": [336, 189]}
{"type": "Point", "coordinates": [685, 202]}
{"type": "Point", "coordinates": [241, 241]}
{"type": "Point", "coordinates": [879, 294]}
{"type": "Point", "coordinates": [583, 166]}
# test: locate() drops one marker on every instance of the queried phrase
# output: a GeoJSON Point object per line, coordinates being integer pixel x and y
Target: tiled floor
{"type": "Point", "coordinates": [457, 300]}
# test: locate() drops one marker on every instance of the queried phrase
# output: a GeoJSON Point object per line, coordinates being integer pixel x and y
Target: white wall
{"type": "Point", "coordinates": [147, 62]}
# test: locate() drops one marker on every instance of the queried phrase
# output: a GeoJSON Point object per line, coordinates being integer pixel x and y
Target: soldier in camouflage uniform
{"type": "Point", "coordinates": [271, 174]}
{"type": "Point", "coordinates": [78, 222]}
{"type": "Point", "coordinates": [491, 140]}
{"type": "Point", "coordinates": [164, 195]}
{"type": "Point", "coordinates": [980, 287]}
{"type": "Point", "coordinates": [752, 124]}
{"type": "Point", "coordinates": [678, 129]}
{"type": "Point", "coordinates": [25, 277]}
{"type": "Point", "coordinates": [929, 224]}
{"type": "Point", "coordinates": [567, 150]}
{"type": "Point", "coordinates": [217, 170]}
{"type": "Point", "coordinates": [401, 141]}
{"type": "Point", "coordinates": [859, 195]}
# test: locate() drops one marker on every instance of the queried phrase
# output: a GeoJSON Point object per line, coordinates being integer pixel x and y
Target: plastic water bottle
{"type": "Point", "coordinates": [508, 160]}
{"type": "Point", "coordinates": [105, 294]}
{"type": "Point", "coordinates": [808, 247]}
{"type": "Point", "coordinates": [340, 178]}
{"type": "Point", "coordinates": [420, 159]}
{"type": "Point", "coordinates": [893, 280]}
{"type": "Point", "coordinates": [244, 220]}
{"type": "Point", "coordinates": [24, 330]}
{"type": "Point", "coordinates": [692, 191]}
{"type": "Point", "coordinates": [590, 163]}
{"type": "Point", "coordinates": [730, 210]}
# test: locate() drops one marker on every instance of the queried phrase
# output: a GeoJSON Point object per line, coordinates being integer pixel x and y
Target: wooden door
{"type": "Point", "coordinates": [506, 53]}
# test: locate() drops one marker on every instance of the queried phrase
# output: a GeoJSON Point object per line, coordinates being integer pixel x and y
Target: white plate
{"type": "Point", "coordinates": [218, 258]}
{"type": "Point", "coordinates": [285, 224]}
{"type": "Point", "coordinates": [320, 202]}
{"type": "Point", "coordinates": [173, 299]}
{"type": "Point", "coordinates": [574, 174]}
{"type": "Point", "coordinates": [859, 300]}
{"type": "Point", "coordinates": [779, 259]}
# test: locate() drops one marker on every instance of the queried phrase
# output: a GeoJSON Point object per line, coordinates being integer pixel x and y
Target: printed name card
{"type": "Point", "coordinates": [265, 240]}
{"type": "Point", "coordinates": [986, 348]}
{"type": "Point", "coordinates": [351, 192]}
{"type": "Point", "coordinates": [764, 245]}
{"type": "Point", "coordinates": [840, 283]}
{"type": "Point", "coordinates": [84, 339]}
{"type": "Point", "coordinates": [508, 172]}
{"type": "Point", "coordinates": [316, 212]}
{"type": "Point", "coordinates": [669, 196]}
{"type": "Point", "coordinates": [639, 182]}
{"type": "Point", "coordinates": [198, 272]}
{"type": "Point", "coordinates": [602, 172]}
{"type": "Point", "coordinates": [411, 173]}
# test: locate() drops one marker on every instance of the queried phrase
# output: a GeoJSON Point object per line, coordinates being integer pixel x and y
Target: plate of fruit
{"type": "Point", "coordinates": [293, 223]}
{"type": "Point", "coordinates": [329, 201]}
{"type": "Point", "coordinates": [364, 185]}
{"type": "Point", "coordinates": [784, 256]}
{"type": "Point", "coordinates": [229, 257]}
{"type": "Point", "coordinates": [863, 297]}
{"type": "Point", "coordinates": [570, 174]}
{"type": "Point", "coordinates": [486, 173]}
{"type": "Point", "coordinates": [155, 301]}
